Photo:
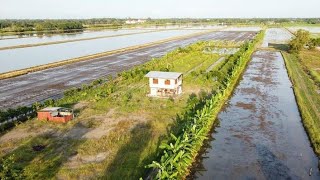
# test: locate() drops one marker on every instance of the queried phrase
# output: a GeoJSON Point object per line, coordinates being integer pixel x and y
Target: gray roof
{"type": "Point", "coordinates": [163, 75]}
{"type": "Point", "coordinates": [51, 109]}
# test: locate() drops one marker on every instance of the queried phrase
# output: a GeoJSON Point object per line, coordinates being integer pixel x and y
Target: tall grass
{"type": "Point", "coordinates": [307, 97]}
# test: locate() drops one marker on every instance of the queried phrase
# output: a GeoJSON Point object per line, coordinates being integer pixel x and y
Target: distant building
{"type": "Point", "coordinates": [135, 21]}
{"type": "Point", "coordinates": [55, 114]}
{"type": "Point", "coordinates": [164, 84]}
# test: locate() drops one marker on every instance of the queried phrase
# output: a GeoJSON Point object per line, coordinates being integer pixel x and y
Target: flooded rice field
{"type": "Point", "coordinates": [29, 88]}
{"type": "Point", "coordinates": [14, 59]}
{"type": "Point", "coordinates": [276, 36]}
{"type": "Point", "coordinates": [64, 37]}
{"type": "Point", "coordinates": [82, 33]}
{"type": "Point", "coordinates": [208, 27]}
{"type": "Point", "coordinates": [260, 133]}
{"type": "Point", "coordinates": [103, 32]}
{"type": "Point", "coordinates": [243, 28]}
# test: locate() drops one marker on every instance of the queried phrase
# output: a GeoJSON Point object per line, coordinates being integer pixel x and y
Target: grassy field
{"type": "Point", "coordinates": [305, 90]}
{"type": "Point", "coordinates": [117, 130]}
{"type": "Point", "coordinates": [311, 63]}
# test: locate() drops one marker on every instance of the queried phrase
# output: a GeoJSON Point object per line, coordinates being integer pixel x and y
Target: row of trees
{"type": "Point", "coordinates": [39, 25]}
{"type": "Point", "coordinates": [68, 24]}
{"type": "Point", "coordinates": [58, 26]}
{"type": "Point", "coordinates": [11, 116]}
{"type": "Point", "coordinates": [234, 21]}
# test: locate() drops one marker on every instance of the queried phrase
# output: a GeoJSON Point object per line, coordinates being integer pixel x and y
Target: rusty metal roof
{"type": "Point", "coordinates": [163, 75]}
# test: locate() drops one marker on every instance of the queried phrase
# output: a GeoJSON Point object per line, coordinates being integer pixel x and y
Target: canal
{"type": "Point", "coordinates": [259, 133]}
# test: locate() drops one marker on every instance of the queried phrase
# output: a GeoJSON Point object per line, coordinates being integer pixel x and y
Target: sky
{"type": "Point", "coordinates": [78, 9]}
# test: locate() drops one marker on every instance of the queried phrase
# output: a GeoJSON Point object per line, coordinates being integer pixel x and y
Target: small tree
{"type": "Point", "coordinates": [301, 39]}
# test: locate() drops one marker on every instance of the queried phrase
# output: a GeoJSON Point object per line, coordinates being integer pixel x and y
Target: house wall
{"type": "Point", "coordinates": [179, 90]}
{"type": "Point", "coordinates": [47, 117]}
{"type": "Point", "coordinates": [43, 115]}
{"type": "Point", "coordinates": [153, 91]}
{"type": "Point", "coordinates": [161, 83]}
{"type": "Point", "coordinates": [63, 119]}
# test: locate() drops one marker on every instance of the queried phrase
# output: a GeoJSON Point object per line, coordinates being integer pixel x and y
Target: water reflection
{"type": "Point", "coordinates": [260, 134]}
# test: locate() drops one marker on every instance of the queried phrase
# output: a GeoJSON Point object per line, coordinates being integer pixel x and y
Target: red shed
{"type": "Point", "coordinates": [56, 114]}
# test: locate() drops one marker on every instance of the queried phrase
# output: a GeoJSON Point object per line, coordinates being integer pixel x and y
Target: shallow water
{"type": "Point", "coordinates": [260, 135]}
{"type": "Point", "coordinates": [81, 33]}
{"type": "Point", "coordinates": [14, 59]}
{"type": "Point", "coordinates": [64, 37]}
{"type": "Point", "coordinates": [276, 36]}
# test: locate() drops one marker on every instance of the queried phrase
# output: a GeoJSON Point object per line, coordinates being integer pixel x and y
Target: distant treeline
{"type": "Point", "coordinates": [236, 20]}
{"type": "Point", "coordinates": [39, 25]}
{"type": "Point", "coordinates": [12, 25]}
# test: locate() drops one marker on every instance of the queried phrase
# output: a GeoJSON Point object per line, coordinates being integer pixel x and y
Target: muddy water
{"type": "Point", "coordinates": [260, 135]}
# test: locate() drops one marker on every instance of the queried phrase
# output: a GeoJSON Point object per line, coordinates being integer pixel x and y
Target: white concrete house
{"type": "Point", "coordinates": [164, 84]}
{"type": "Point", "coordinates": [135, 21]}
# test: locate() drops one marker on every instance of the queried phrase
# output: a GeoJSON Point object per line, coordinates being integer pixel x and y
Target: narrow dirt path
{"type": "Point", "coordinates": [193, 69]}
{"type": "Point", "coordinates": [215, 64]}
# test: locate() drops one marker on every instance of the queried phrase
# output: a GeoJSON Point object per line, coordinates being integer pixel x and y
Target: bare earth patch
{"type": "Point", "coordinates": [80, 105]}
{"type": "Point", "coordinates": [21, 133]}
{"type": "Point", "coordinates": [77, 160]}
{"type": "Point", "coordinates": [106, 123]}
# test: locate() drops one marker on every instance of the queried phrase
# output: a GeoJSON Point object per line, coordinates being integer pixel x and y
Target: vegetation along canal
{"type": "Point", "coordinates": [260, 134]}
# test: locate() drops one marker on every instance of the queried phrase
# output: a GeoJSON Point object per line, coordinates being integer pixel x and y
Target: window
{"type": "Point", "coordinates": [155, 81]}
{"type": "Point", "coordinates": [167, 82]}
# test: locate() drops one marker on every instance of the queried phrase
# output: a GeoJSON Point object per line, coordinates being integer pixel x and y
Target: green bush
{"type": "Point", "coordinates": [8, 171]}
